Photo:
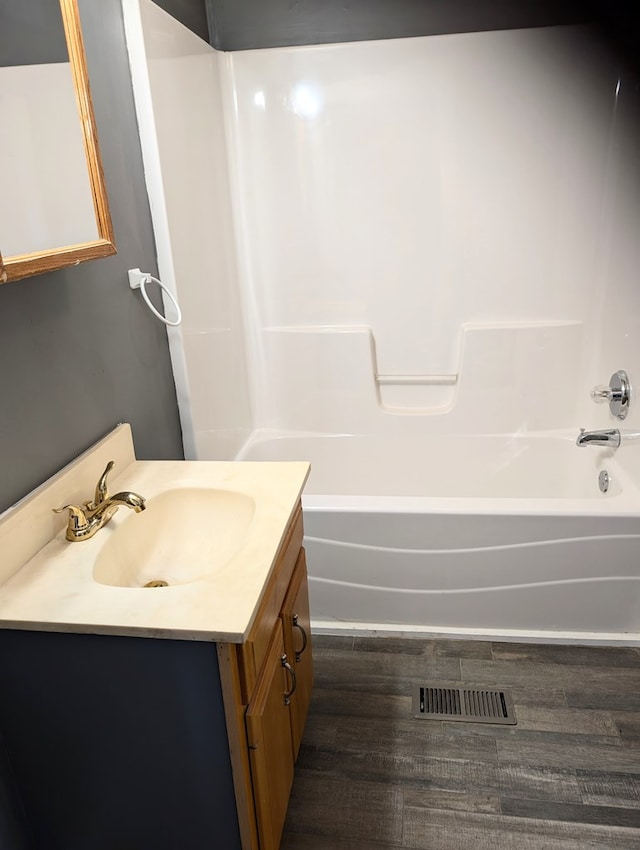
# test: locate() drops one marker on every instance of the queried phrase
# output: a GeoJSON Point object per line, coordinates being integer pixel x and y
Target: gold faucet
{"type": "Point", "coordinates": [86, 520]}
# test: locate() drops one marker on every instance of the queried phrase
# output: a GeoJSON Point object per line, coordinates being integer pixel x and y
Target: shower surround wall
{"type": "Point", "coordinates": [421, 223]}
{"type": "Point", "coordinates": [176, 81]}
{"type": "Point", "coordinates": [429, 234]}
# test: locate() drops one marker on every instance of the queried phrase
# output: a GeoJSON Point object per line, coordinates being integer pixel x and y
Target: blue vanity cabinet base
{"type": "Point", "coordinates": [117, 743]}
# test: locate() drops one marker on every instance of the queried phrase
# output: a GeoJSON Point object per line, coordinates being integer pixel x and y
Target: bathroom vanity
{"type": "Point", "coordinates": [162, 716]}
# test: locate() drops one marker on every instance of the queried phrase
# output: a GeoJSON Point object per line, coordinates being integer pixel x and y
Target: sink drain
{"type": "Point", "coordinates": [157, 582]}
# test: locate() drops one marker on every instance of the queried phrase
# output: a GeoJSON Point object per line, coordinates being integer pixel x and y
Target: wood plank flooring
{"type": "Point", "coordinates": [566, 777]}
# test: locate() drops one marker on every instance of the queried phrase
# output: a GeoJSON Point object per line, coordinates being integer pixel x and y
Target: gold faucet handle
{"type": "Point", "coordinates": [102, 492]}
{"type": "Point", "coordinates": [74, 510]}
{"type": "Point", "coordinates": [77, 518]}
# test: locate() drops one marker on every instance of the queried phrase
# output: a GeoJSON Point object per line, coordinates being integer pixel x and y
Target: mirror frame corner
{"type": "Point", "coordinates": [51, 259]}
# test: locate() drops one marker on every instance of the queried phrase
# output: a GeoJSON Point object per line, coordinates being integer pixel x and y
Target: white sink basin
{"type": "Point", "coordinates": [184, 535]}
{"type": "Point", "coordinates": [212, 531]}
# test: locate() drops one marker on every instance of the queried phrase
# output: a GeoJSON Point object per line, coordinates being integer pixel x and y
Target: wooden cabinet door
{"type": "Point", "coordinates": [297, 643]}
{"type": "Point", "coordinates": [269, 739]}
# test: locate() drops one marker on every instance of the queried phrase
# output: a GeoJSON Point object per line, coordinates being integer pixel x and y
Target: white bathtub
{"type": "Point", "coordinates": [504, 536]}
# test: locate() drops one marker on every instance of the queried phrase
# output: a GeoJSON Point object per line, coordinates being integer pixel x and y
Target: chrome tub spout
{"type": "Point", "coordinates": [610, 438]}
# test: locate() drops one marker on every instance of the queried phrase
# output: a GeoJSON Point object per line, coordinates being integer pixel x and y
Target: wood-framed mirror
{"type": "Point", "coordinates": [53, 202]}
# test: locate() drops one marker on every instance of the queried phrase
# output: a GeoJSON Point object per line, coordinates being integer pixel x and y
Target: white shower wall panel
{"type": "Point", "coordinates": [323, 380]}
{"type": "Point", "coordinates": [180, 111]}
{"type": "Point", "coordinates": [411, 186]}
{"type": "Point", "coordinates": [617, 341]}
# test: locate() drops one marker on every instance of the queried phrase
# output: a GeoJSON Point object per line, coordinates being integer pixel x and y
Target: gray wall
{"type": "Point", "coordinates": [246, 24]}
{"type": "Point", "coordinates": [42, 34]}
{"type": "Point", "coordinates": [191, 13]}
{"type": "Point", "coordinates": [79, 351]}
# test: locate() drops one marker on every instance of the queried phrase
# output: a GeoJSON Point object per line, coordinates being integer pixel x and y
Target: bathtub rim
{"type": "Point", "coordinates": [624, 505]}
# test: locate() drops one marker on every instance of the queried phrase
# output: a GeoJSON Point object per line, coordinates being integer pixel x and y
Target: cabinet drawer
{"type": "Point", "coordinates": [252, 653]}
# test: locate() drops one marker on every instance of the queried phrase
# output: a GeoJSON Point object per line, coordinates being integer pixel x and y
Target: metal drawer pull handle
{"type": "Point", "coordinates": [297, 625]}
{"type": "Point", "coordinates": [289, 669]}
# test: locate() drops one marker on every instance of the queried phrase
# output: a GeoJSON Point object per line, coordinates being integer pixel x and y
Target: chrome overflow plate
{"type": "Point", "coordinates": [604, 481]}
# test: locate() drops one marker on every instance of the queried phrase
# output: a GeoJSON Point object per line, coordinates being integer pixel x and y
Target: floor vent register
{"type": "Point", "coordinates": [472, 705]}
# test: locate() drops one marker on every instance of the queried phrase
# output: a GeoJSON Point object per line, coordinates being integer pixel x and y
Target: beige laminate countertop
{"type": "Point", "coordinates": [55, 590]}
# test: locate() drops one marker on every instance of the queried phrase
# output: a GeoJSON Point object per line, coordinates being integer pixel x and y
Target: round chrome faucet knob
{"type": "Point", "coordinates": [617, 394]}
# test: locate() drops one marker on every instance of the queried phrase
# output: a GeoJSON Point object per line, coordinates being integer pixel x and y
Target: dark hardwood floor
{"type": "Point", "coordinates": [566, 777]}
